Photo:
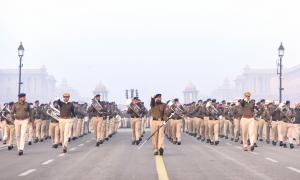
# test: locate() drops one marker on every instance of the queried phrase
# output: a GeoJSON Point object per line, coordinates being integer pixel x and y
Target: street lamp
{"type": "Point", "coordinates": [280, 54]}
{"type": "Point", "coordinates": [20, 54]}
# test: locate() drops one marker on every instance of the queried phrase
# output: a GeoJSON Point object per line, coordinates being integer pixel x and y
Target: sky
{"type": "Point", "coordinates": [156, 46]}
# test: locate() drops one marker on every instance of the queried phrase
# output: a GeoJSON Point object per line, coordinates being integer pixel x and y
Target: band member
{"type": "Point", "coordinates": [228, 124]}
{"type": "Point", "coordinates": [96, 112]}
{"type": "Point", "coordinates": [177, 119]}
{"type": "Point", "coordinates": [276, 117]}
{"type": "Point", "coordinates": [136, 111]}
{"type": "Point", "coordinates": [286, 130]}
{"type": "Point", "coordinates": [266, 116]}
{"type": "Point", "coordinates": [21, 114]}
{"type": "Point", "coordinates": [213, 122]}
{"type": "Point", "coordinates": [30, 127]}
{"type": "Point", "coordinates": [37, 115]}
{"type": "Point", "coordinates": [297, 124]}
{"type": "Point", "coordinates": [8, 126]}
{"type": "Point", "coordinates": [248, 121]}
{"type": "Point", "coordinates": [66, 114]}
{"type": "Point", "coordinates": [158, 120]}
{"type": "Point", "coordinates": [54, 129]}
{"type": "Point", "coordinates": [237, 116]}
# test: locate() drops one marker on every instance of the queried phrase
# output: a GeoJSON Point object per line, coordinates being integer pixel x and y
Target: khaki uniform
{"type": "Point", "coordinates": [98, 128]}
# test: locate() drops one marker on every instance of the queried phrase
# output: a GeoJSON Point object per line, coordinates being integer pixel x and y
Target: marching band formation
{"type": "Point", "coordinates": [243, 121]}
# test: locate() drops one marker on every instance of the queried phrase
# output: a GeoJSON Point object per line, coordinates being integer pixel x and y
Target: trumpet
{"type": "Point", "coordinates": [97, 106]}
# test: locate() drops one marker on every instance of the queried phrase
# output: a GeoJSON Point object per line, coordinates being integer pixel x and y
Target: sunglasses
{"type": "Point", "coordinates": [66, 96]}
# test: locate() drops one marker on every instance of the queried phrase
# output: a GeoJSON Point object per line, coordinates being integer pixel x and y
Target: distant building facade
{"type": "Point", "coordinates": [190, 93]}
{"type": "Point", "coordinates": [37, 84]}
{"type": "Point", "coordinates": [263, 83]}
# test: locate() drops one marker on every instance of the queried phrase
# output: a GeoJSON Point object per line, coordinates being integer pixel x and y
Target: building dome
{"type": "Point", "coordinates": [100, 88]}
{"type": "Point", "coordinates": [190, 87]}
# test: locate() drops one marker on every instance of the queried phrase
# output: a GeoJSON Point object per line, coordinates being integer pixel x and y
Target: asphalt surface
{"type": "Point", "coordinates": [118, 159]}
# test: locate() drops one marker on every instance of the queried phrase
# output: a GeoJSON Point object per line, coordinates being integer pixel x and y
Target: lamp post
{"type": "Point", "coordinates": [20, 54]}
{"type": "Point", "coordinates": [280, 54]}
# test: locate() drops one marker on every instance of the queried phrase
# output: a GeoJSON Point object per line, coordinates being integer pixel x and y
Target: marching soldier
{"type": "Point", "coordinates": [135, 110]}
{"type": "Point", "coordinates": [177, 120]}
{"type": "Point", "coordinates": [96, 112]}
{"type": "Point", "coordinates": [248, 122]}
{"type": "Point", "coordinates": [228, 124]}
{"type": "Point", "coordinates": [31, 127]}
{"type": "Point", "coordinates": [286, 133]}
{"type": "Point", "coordinates": [213, 122]}
{"type": "Point", "coordinates": [37, 115]}
{"type": "Point", "coordinates": [8, 126]}
{"type": "Point", "coordinates": [297, 124]}
{"type": "Point", "coordinates": [54, 129]}
{"type": "Point", "coordinates": [276, 117]}
{"type": "Point", "coordinates": [237, 116]}
{"type": "Point", "coordinates": [21, 114]}
{"type": "Point", "coordinates": [66, 114]}
{"type": "Point", "coordinates": [158, 120]}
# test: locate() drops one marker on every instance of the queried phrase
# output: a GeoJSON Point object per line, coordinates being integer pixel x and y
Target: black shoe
{"type": "Point", "coordinates": [255, 145]}
{"type": "Point", "coordinates": [226, 137]}
{"type": "Point", "coordinates": [174, 142]}
{"type": "Point", "coordinates": [155, 153]}
{"type": "Point", "coordinates": [274, 143]}
{"type": "Point", "coordinates": [208, 141]}
{"type": "Point", "coordinates": [98, 144]}
{"type": "Point", "coordinates": [292, 146]}
{"type": "Point", "coordinates": [140, 139]}
{"type": "Point", "coordinates": [202, 140]}
{"type": "Point", "coordinates": [261, 140]}
{"type": "Point", "coordinates": [280, 143]}
{"type": "Point", "coordinates": [20, 152]}
{"type": "Point", "coordinates": [64, 150]}
{"type": "Point", "coordinates": [29, 143]}
{"type": "Point", "coordinates": [74, 138]}
{"type": "Point", "coordinates": [212, 143]}
{"type": "Point", "coordinates": [55, 146]}
{"type": "Point", "coordinates": [69, 140]}
{"type": "Point", "coordinates": [236, 140]}
{"type": "Point", "coordinates": [161, 151]}
{"type": "Point", "coordinates": [41, 140]}
{"type": "Point", "coordinates": [60, 144]}
{"type": "Point", "coordinates": [106, 139]}
{"type": "Point", "coordinates": [133, 143]}
{"type": "Point", "coordinates": [179, 143]}
{"type": "Point", "coordinates": [4, 141]}
{"type": "Point", "coordinates": [252, 148]}
{"type": "Point", "coordinates": [142, 135]}
{"type": "Point", "coordinates": [217, 143]}
{"type": "Point", "coordinates": [195, 135]}
{"type": "Point", "coordinates": [10, 147]}
{"type": "Point", "coordinates": [232, 139]}
{"type": "Point", "coordinates": [242, 142]}
{"type": "Point", "coordinates": [101, 141]}
{"type": "Point", "coordinates": [248, 142]}
{"type": "Point", "coordinates": [36, 141]}
{"type": "Point", "coordinates": [137, 142]}
{"type": "Point", "coordinates": [284, 145]}
{"type": "Point", "coordinates": [110, 136]}
{"type": "Point", "coordinates": [268, 141]}
{"type": "Point", "coordinates": [198, 138]}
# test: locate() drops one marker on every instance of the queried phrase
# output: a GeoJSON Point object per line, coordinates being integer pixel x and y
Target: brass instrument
{"type": "Point", "coordinates": [97, 106]}
{"type": "Point", "coordinates": [53, 112]}
{"type": "Point", "coordinates": [7, 118]}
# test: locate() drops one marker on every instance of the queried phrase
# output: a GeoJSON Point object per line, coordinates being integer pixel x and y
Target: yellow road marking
{"type": "Point", "coordinates": [161, 169]}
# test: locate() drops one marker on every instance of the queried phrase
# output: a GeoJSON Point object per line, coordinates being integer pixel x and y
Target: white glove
{"type": "Point", "coordinates": [164, 123]}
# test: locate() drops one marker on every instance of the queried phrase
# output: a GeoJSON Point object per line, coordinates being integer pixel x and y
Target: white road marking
{"type": "Point", "coordinates": [47, 162]}
{"type": "Point", "coordinates": [61, 155]}
{"type": "Point", "coordinates": [80, 145]}
{"type": "Point", "coordinates": [73, 149]}
{"type": "Point", "coordinates": [27, 172]}
{"type": "Point", "coordinates": [294, 169]}
{"type": "Point", "coordinates": [272, 160]}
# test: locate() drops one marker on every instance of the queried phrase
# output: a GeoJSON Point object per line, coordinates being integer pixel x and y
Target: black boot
{"type": "Point", "coordinates": [255, 145]}
{"type": "Point", "coordinates": [98, 144]}
{"type": "Point", "coordinates": [10, 147]}
{"type": "Point", "coordinates": [20, 152]}
{"type": "Point", "coordinates": [252, 148]}
{"type": "Point", "coordinates": [179, 143]}
{"type": "Point", "coordinates": [137, 142]}
{"type": "Point", "coordinates": [217, 143]}
{"type": "Point", "coordinates": [133, 143]}
{"type": "Point", "coordinates": [284, 145]}
{"type": "Point", "coordinates": [292, 146]}
{"type": "Point", "coordinates": [280, 143]}
{"type": "Point", "coordinates": [64, 150]}
{"type": "Point", "coordinates": [29, 143]}
{"type": "Point", "coordinates": [161, 151]}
